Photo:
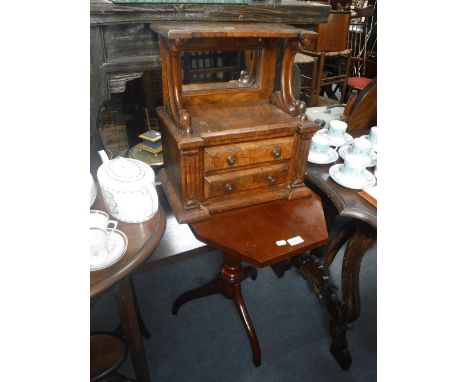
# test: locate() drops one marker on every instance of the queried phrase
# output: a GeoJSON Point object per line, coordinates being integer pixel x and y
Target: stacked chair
{"type": "Point", "coordinates": [330, 60]}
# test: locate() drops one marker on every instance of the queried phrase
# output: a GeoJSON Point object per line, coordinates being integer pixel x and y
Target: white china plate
{"type": "Point", "coordinates": [372, 158]}
{"type": "Point", "coordinates": [374, 145]}
{"type": "Point", "coordinates": [320, 113]}
{"type": "Point", "coordinates": [117, 242]}
{"type": "Point", "coordinates": [356, 183]}
{"type": "Point", "coordinates": [323, 158]}
{"type": "Point", "coordinates": [346, 139]}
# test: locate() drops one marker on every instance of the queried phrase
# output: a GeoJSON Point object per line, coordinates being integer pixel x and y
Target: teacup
{"type": "Point", "coordinates": [354, 165]}
{"type": "Point", "coordinates": [361, 146]}
{"type": "Point", "coordinates": [100, 220]}
{"type": "Point", "coordinates": [373, 135]}
{"type": "Point", "coordinates": [337, 128]}
{"type": "Point", "coordinates": [320, 144]}
{"type": "Point", "coordinates": [98, 245]}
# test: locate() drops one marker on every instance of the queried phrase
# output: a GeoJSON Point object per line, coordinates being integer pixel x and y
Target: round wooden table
{"type": "Point", "coordinates": [350, 218]}
{"type": "Point", "coordinates": [142, 240]}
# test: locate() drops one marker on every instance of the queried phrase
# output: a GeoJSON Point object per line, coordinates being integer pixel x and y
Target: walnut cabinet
{"type": "Point", "coordinates": [230, 140]}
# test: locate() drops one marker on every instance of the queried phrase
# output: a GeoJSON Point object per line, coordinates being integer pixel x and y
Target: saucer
{"type": "Point", "coordinates": [323, 158]}
{"type": "Point", "coordinates": [117, 243]}
{"type": "Point", "coordinates": [374, 145]}
{"type": "Point", "coordinates": [345, 139]}
{"type": "Point", "coordinates": [366, 180]}
{"type": "Point", "coordinates": [344, 151]}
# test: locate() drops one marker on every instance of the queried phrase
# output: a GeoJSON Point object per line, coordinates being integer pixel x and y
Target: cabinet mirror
{"type": "Point", "coordinates": [220, 69]}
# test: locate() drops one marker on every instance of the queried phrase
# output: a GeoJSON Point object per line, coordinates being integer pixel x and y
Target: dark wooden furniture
{"type": "Point", "coordinates": [124, 48]}
{"type": "Point", "coordinates": [107, 354]}
{"type": "Point", "coordinates": [307, 66]}
{"type": "Point", "coordinates": [332, 58]}
{"type": "Point", "coordinates": [231, 144]}
{"type": "Point", "coordinates": [356, 84]}
{"type": "Point", "coordinates": [361, 109]}
{"type": "Point", "coordinates": [350, 218]}
{"type": "Point", "coordinates": [333, 34]}
{"type": "Point", "coordinates": [142, 240]}
{"type": "Point", "coordinates": [250, 234]}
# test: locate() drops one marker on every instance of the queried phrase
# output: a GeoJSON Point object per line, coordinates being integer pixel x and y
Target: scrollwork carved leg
{"type": "Point", "coordinates": [338, 235]}
{"type": "Point", "coordinates": [284, 99]}
{"type": "Point", "coordinates": [315, 269]}
{"type": "Point", "coordinates": [172, 52]}
{"type": "Point", "coordinates": [349, 309]}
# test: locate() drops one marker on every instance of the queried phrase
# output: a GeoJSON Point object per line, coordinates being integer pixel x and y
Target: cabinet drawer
{"type": "Point", "coordinates": [243, 180]}
{"type": "Point", "coordinates": [245, 153]}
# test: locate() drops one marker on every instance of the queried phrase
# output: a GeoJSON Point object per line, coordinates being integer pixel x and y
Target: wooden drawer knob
{"type": "Point", "coordinates": [231, 160]}
{"type": "Point", "coordinates": [271, 179]}
{"type": "Point", "coordinates": [228, 187]}
{"type": "Point", "coordinates": [276, 153]}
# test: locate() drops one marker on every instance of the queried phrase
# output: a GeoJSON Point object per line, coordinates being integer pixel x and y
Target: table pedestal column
{"type": "Point", "coordinates": [228, 283]}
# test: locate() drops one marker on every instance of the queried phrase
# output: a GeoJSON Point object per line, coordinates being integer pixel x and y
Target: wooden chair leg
{"type": "Point", "coordinates": [313, 83]}
{"type": "Point", "coordinates": [345, 82]}
{"type": "Point", "coordinates": [318, 78]}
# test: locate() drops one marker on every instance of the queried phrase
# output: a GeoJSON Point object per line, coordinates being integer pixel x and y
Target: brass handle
{"type": "Point", "coordinates": [276, 153]}
{"type": "Point", "coordinates": [231, 160]}
{"type": "Point", "coordinates": [271, 179]}
{"type": "Point", "coordinates": [228, 187]}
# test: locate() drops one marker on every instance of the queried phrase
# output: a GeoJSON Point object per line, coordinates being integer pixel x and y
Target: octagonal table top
{"type": "Point", "coordinates": [251, 233]}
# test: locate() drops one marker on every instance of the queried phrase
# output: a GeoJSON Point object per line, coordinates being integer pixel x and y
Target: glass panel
{"type": "Point", "coordinates": [220, 70]}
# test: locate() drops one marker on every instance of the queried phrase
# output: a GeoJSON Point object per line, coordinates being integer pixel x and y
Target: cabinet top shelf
{"type": "Point", "coordinates": [215, 122]}
{"type": "Point", "coordinates": [194, 29]}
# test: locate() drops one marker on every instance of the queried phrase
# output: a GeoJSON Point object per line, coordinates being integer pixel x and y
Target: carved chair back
{"type": "Point", "coordinates": [361, 109]}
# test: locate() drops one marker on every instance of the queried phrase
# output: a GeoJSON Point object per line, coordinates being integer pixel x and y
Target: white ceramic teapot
{"type": "Point", "coordinates": [128, 188]}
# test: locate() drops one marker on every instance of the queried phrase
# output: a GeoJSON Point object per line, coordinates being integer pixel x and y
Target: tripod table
{"type": "Point", "coordinates": [261, 235]}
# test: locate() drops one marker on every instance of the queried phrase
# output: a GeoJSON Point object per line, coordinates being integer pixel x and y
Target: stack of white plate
{"type": "Point", "coordinates": [93, 190]}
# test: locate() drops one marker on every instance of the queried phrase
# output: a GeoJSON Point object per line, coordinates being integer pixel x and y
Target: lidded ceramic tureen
{"type": "Point", "coordinates": [128, 188]}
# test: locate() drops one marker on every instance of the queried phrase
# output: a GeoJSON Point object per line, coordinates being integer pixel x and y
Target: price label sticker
{"type": "Point", "coordinates": [280, 243]}
{"type": "Point", "coordinates": [295, 240]}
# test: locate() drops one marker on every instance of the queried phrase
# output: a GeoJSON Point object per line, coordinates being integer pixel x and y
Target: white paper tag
{"type": "Point", "coordinates": [280, 243]}
{"type": "Point", "coordinates": [295, 240]}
